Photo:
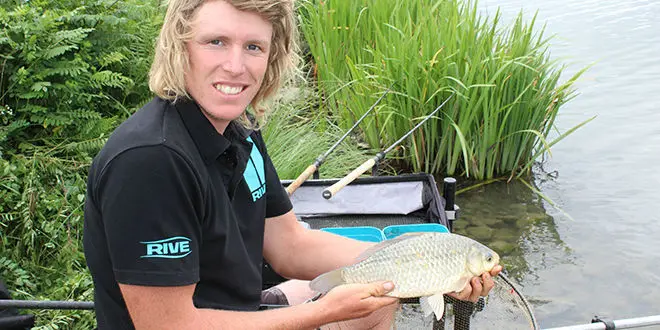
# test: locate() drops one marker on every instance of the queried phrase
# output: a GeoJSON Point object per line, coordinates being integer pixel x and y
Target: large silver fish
{"type": "Point", "coordinates": [425, 265]}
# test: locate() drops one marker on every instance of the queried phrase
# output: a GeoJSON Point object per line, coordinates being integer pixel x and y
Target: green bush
{"type": "Point", "coordinates": [67, 65]}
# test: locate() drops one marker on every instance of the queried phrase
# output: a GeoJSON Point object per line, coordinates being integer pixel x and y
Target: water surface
{"type": "Point", "coordinates": [604, 261]}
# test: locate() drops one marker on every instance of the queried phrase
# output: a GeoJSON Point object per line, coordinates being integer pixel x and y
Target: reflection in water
{"type": "Point", "coordinates": [511, 219]}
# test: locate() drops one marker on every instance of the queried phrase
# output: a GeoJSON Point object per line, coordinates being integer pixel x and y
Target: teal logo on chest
{"type": "Point", "coordinates": [254, 173]}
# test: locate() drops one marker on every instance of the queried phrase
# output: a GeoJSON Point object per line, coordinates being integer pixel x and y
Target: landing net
{"type": "Point", "coordinates": [504, 308]}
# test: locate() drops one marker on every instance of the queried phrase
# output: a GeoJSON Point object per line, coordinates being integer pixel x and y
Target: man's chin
{"type": "Point", "coordinates": [226, 114]}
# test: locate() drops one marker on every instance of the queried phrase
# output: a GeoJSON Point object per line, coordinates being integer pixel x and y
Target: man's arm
{"type": "Point", "coordinates": [172, 308]}
{"type": "Point", "coordinates": [296, 252]}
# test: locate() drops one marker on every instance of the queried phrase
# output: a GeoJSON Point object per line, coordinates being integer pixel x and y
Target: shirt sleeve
{"type": "Point", "coordinates": [277, 199]}
{"type": "Point", "coordinates": [149, 200]}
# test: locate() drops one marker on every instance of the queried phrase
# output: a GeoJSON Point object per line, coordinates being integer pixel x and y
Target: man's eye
{"type": "Point", "coordinates": [254, 47]}
{"type": "Point", "coordinates": [215, 42]}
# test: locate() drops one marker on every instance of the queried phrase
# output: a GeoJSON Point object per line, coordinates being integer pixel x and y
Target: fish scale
{"type": "Point", "coordinates": [413, 267]}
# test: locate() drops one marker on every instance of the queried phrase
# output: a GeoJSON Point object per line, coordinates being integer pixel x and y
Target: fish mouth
{"type": "Point", "coordinates": [495, 258]}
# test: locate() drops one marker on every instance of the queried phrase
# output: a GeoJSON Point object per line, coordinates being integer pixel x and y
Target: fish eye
{"type": "Point", "coordinates": [489, 258]}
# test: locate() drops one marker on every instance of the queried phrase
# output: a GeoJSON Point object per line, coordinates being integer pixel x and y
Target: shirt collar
{"type": "Point", "coordinates": [209, 142]}
{"type": "Point", "coordinates": [237, 131]}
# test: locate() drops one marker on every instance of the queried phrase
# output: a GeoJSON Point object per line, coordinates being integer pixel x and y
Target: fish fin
{"type": "Point", "coordinates": [433, 304]}
{"type": "Point", "coordinates": [324, 282]}
{"type": "Point", "coordinates": [460, 284]}
{"type": "Point", "coordinates": [426, 306]}
{"type": "Point", "coordinates": [370, 251]}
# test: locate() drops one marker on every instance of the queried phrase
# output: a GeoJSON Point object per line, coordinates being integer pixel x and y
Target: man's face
{"type": "Point", "coordinates": [228, 59]}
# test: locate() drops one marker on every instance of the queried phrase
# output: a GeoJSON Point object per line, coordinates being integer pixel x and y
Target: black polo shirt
{"type": "Point", "coordinates": [172, 202]}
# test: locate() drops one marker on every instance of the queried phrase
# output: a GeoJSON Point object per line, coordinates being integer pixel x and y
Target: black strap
{"type": "Point", "coordinates": [609, 324]}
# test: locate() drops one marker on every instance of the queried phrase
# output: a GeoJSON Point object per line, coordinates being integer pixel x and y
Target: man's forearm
{"type": "Point", "coordinates": [299, 253]}
{"type": "Point", "coordinates": [317, 252]}
{"type": "Point", "coordinates": [155, 308]}
{"type": "Point", "coordinates": [305, 316]}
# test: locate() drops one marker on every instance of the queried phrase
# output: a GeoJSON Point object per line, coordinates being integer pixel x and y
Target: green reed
{"type": "Point", "coordinates": [507, 89]}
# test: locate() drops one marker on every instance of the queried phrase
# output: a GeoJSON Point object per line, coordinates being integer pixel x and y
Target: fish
{"type": "Point", "coordinates": [424, 265]}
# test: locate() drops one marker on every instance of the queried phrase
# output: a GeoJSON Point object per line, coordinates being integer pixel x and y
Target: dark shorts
{"type": "Point", "coordinates": [273, 296]}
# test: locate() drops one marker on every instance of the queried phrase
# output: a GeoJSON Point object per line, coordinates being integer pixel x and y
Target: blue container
{"type": "Point", "coordinates": [364, 233]}
{"type": "Point", "coordinates": [396, 230]}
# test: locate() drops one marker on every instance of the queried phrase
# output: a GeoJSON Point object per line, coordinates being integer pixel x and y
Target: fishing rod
{"type": "Point", "coordinates": [320, 159]}
{"type": "Point", "coordinates": [70, 305]}
{"type": "Point", "coordinates": [598, 324]}
{"type": "Point", "coordinates": [332, 190]}
{"type": "Point", "coordinates": [46, 304]}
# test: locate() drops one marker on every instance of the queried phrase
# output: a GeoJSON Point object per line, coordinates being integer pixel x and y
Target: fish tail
{"type": "Point", "coordinates": [324, 282]}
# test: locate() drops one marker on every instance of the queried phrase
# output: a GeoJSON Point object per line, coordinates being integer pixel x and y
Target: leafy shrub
{"type": "Point", "coordinates": [68, 65]}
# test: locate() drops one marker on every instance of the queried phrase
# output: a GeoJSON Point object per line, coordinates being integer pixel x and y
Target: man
{"type": "Point", "coordinates": [183, 203]}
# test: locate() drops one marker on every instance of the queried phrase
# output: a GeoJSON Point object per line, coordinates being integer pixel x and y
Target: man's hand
{"type": "Point", "coordinates": [479, 286]}
{"type": "Point", "coordinates": [350, 301]}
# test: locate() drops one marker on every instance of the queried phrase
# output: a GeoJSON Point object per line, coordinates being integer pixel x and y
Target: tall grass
{"type": "Point", "coordinates": [508, 90]}
{"type": "Point", "coordinates": [296, 134]}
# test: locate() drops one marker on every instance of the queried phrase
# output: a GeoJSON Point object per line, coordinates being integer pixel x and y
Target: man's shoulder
{"type": "Point", "coordinates": [144, 127]}
{"type": "Point", "coordinates": [156, 124]}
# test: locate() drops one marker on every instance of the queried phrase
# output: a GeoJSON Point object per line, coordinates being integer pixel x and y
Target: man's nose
{"type": "Point", "coordinates": [234, 63]}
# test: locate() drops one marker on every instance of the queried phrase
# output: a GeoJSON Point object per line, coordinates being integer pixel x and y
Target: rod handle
{"type": "Point", "coordinates": [301, 178]}
{"type": "Point", "coordinates": [332, 190]}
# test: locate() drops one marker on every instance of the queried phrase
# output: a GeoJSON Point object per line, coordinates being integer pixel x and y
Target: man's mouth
{"type": "Point", "coordinates": [229, 90]}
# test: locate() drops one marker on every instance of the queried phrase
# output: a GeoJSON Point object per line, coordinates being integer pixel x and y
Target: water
{"type": "Point", "coordinates": [606, 175]}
